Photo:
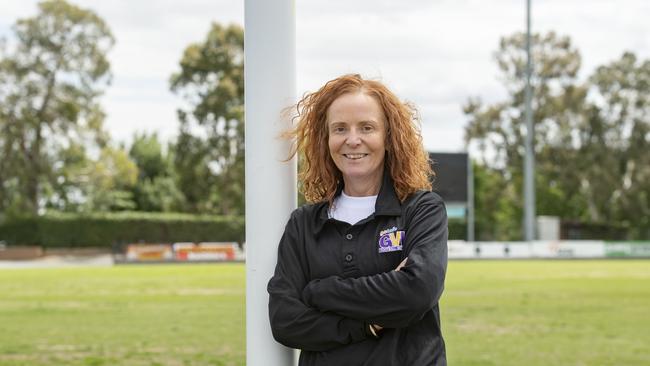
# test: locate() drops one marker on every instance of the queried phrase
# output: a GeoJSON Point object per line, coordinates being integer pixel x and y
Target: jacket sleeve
{"type": "Point", "coordinates": [293, 323]}
{"type": "Point", "coordinates": [394, 299]}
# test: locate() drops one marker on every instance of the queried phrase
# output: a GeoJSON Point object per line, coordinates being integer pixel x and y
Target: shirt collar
{"type": "Point", "coordinates": [387, 204]}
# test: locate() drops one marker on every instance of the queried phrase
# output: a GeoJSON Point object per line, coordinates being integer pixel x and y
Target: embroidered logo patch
{"type": "Point", "coordinates": [390, 240]}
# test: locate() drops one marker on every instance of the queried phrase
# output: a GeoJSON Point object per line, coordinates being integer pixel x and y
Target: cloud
{"type": "Point", "coordinates": [439, 53]}
{"type": "Point", "coordinates": [434, 53]}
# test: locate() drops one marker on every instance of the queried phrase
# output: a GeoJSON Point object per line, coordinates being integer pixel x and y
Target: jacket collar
{"type": "Point", "coordinates": [387, 203]}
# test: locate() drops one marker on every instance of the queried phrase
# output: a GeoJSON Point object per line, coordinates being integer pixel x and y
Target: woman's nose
{"type": "Point", "coordinates": [353, 139]}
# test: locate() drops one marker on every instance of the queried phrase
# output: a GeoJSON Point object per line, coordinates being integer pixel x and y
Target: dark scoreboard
{"type": "Point", "coordinates": [451, 171]}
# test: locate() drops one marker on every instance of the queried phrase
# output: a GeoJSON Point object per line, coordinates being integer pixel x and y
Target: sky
{"type": "Point", "coordinates": [433, 53]}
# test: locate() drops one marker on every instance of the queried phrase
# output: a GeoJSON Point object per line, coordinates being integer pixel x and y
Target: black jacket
{"type": "Point", "coordinates": [332, 279]}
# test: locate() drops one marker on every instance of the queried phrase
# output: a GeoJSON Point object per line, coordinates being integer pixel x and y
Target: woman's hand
{"type": "Point", "coordinates": [402, 264]}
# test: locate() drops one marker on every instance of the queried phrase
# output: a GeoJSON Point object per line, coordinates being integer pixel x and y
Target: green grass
{"type": "Point", "coordinates": [547, 313]}
{"type": "Point", "coordinates": [493, 312]}
{"type": "Point", "coordinates": [125, 315]}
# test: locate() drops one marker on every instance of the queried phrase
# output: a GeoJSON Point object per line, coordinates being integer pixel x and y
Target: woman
{"type": "Point", "coordinates": [361, 268]}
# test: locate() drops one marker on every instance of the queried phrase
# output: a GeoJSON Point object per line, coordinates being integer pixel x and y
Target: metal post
{"type": "Point", "coordinates": [270, 183]}
{"type": "Point", "coordinates": [470, 200]}
{"type": "Point", "coordinates": [529, 167]}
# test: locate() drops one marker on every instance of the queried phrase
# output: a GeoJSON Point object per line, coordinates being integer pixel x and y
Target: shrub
{"type": "Point", "coordinates": [54, 230]}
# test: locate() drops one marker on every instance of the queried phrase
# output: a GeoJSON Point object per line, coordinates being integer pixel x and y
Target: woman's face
{"type": "Point", "coordinates": [357, 133]}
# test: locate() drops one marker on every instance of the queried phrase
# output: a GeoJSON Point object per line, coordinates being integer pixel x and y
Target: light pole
{"type": "Point", "coordinates": [529, 166]}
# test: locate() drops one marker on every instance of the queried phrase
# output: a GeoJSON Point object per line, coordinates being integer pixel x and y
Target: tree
{"type": "Point", "coordinates": [209, 153]}
{"type": "Point", "coordinates": [156, 188]}
{"type": "Point", "coordinates": [69, 187]}
{"type": "Point", "coordinates": [615, 141]}
{"type": "Point", "coordinates": [499, 129]}
{"type": "Point", "coordinates": [147, 153]}
{"type": "Point", "coordinates": [50, 82]}
{"type": "Point", "coordinates": [591, 137]}
{"type": "Point", "coordinates": [110, 181]}
{"type": "Point", "coordinates": [84, 184]}
{"type": "Point", "coordinates": [495, 214]}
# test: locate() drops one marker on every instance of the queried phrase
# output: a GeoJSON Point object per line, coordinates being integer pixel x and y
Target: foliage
{"type": "Point", "coordinates": [85, 184]}
{"type": "Point", "coordinates": [50, 81]}
{"type": "Point", "coordinates": [107, 229]}
{"type": "Point", "coordinates": [110, 179]}
{"type": "Point", "coordinates": [615, 141]}
{"type": "Point", "coordinates": [209, 153]}
{"type": "Point", "coordinates": [457, 229]}
{"type": "Point", "coordinates": [146, 152]}
{"type": "Point", "coordinates": [591, 139]}
{"type": "Point", "coordinates": [156, 188]}
{"type": "Point", "coordinates": [494, 206]}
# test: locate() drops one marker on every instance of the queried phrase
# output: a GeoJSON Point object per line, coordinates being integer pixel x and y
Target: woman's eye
{"type": "Point", "coordinates": [368, 128]}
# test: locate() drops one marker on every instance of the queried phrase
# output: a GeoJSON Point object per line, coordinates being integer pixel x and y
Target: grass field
{"type": "Point", "coordinates": [494, 313]}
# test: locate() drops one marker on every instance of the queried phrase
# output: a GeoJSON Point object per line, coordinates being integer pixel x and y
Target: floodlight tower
{"type": "Point", "coordinates": [529, 165]}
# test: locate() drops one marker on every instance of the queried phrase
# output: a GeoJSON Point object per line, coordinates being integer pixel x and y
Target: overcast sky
{"type": "Point", "coordinates": [435, 53]}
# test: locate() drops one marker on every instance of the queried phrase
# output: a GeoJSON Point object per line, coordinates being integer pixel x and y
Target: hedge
{"type": "Point", "coordinates": [54, 230]}
{"type": "Point", "coordinates": [569, 230]}
{"type": "Point", "coordinates": [576, 230]}
{"type": "Point", "coordinates": [457, 229]}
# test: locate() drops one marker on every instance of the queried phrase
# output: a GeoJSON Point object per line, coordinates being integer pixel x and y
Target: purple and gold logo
{"type": "Point", "coordinates": [390, 240]}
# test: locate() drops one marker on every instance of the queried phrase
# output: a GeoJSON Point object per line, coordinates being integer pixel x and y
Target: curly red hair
{"type": "Point", "coordinates": [406, 159]}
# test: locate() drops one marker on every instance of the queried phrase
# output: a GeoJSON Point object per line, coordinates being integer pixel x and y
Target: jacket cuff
{"type": "Point", "coordinates": [358, 330]}
{"type": "Point", "coordinates": [307, 294]}
{"type": "Point", "coordinates": [366, 327]}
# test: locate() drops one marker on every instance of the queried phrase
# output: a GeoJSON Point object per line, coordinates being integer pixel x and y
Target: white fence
{"type": "Point", "coordinates": [459, 249]}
